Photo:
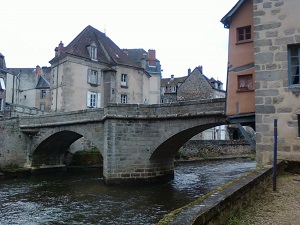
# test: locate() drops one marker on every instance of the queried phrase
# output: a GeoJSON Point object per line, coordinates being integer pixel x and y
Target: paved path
{"type": "Point", "coordinates": [274, 208]}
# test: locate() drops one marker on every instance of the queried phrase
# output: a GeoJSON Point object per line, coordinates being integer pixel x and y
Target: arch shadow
{"type": "Point", "coordinates": [51, 151]}
{"type": "Point", "coordinates": [171, 146]}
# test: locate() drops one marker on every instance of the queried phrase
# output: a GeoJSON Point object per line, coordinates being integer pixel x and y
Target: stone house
{"type": "Point", "coordinates": [275, 52]}
{"type": "Point", "coordinates": [151, 64]}
{"type": "Point", "coordinates": [28, 89]}
{"type": "Point", "coordinates": [194, 86]}
{"type": "Point", "coordinates": [277, 83]}
{"type": "Point", "coordinates": [92, 71]}
{"type": "Point", "coordinates": [3, 72]}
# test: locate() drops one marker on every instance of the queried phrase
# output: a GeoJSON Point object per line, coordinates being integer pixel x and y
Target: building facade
{"type": "Point", "coordinates": [3, 73]}
{"type": "Point", "coordinates": [151, 64]}
{"type": "Point", "coordinates": [240, 105]}
{"type": "Point", "coordinates": [28, 89]}
{"type": "Point", "coordinates": [277, 95]}
{"type": "Point", "coordinates": [92, 71]}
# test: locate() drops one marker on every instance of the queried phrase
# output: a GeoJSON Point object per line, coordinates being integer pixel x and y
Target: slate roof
{"type": "Point", "coordinates": [226, 20]}
{"type": "Point", "coordinates": [137, 54]}
{"type": "Point", "coordinates": [107, 51]}
{"type": "Point", "coordinates": [179, 80]}
{"type": "Point", "coordinates": [43, 83]}
{"type": "Point", "coordinates": [172, 82]}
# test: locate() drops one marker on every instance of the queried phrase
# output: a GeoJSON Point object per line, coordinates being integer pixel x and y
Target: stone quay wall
{"type": "Point", "coordinates": [13, 143]}
{"type": "Point", "coordinates": [210, 148]}
{"type": "Point", "coordinates": [276, 27]}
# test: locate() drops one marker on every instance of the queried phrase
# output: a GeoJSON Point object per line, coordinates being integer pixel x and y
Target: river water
{"type": "Point", "coordinates": [83, 198]}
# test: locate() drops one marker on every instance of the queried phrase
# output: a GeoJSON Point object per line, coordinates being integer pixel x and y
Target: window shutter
{"type": "Point", "coordinates": [98, 100]}
{"type": "Point", "coordinates": [88, 99]}
{"type": "Point", "coordinates": [99, 77]}
{"type": "Point", "coordinates": [89, 76]}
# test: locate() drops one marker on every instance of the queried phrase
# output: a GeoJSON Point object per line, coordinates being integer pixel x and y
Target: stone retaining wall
{"type": "Point", "coordinates": [209, 148]}
{"type": "Point", "coordinates": [224, 202]}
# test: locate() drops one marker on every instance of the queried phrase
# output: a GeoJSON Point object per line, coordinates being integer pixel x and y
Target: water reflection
{"type": "Point", "coordinates": [83, 198]}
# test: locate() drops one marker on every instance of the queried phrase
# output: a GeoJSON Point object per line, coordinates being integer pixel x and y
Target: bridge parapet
{"type": "Point", "coordinates": [177, 109]}
{"type": "Point", "coordinates": [62, 119]}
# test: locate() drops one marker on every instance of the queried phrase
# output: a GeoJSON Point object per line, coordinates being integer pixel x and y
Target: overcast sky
{"type": "Point", "coordinates": [185, 34]}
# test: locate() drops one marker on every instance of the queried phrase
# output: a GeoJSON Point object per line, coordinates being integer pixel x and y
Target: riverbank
{"type": "Point", "coordinates": [279, 207]}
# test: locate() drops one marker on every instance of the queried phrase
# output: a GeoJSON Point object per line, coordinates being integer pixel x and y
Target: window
{"type": "Point", "coordinates": [1, 104]}
{"type": "Point", "coordinates": [43, 94]}
{"type": "Point", "coordinates": [93, 51]}
{"type": "Point", "coordinates": [293, 58]}
{"type": "Point", "coordinates": [173, 89]}
{"type": "Point", "coordinates": [123, 98]}
{"type": "Point", "coordinates": [298, 125]}
{"type": "Point", "coordinates": [42, 107]}
{"type": "Point", "coordinates": [1, 63]}
{"type": "Point", "coordinates": [93, 77]}
{"type": "Point", "coordinates": [243, 33]}
{"type": "Point", "coordinates": [2, 84]}
{"type": "Point", "coordinates": [93, 100]}
{"type": "Point", "coordinates": [245, 82]}
{"type": "Point", "coordinates": [124, 80]}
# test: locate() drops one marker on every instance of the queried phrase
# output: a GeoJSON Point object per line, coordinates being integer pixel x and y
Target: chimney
{"type": "Point", "coordinates": [38, 70]}
{"type": "Point", "coordinates": [201, 69]}
{"type": "Point", "coordinates": [37, 73]}
{"type": "Point", "coordinates": [172, 77]}
{"type": "Point", "coordinates": [151, 57]}
{"type": "Point", "coordinates": [189, 71]}
{"type": "Point", "coordinates": [60, 48]}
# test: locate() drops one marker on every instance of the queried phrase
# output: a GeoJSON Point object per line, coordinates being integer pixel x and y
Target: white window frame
{"type": "Point", "coordinates": [42, 107]}
{"type": "Point", "coordinates": [93, 77]}
{"type": "Point", "coordinates": [173, 89]}
{"type": "Point", "coordinates": [2, 84]}
{"type": "Point", "coordinates": [93, 100]}
{"type": "Point", "coordinates": [124, 79]}
{"type": "Point", "coordinates": [123, 98]}
{"type": "Point", "coordinates": [93, 51]}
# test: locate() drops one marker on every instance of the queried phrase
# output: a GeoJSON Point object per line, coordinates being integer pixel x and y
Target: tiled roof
{"type": "Point", "coordinates": [107, 51]}
{"type": "Point", "coordinates": [226, 20]}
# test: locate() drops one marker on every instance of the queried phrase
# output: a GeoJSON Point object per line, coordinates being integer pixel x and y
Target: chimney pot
{"type": "Point", "coordinates": [189, 71]}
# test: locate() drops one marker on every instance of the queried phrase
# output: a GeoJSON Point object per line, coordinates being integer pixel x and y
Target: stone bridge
{"type": "Point", "coordinates": [137, 142]}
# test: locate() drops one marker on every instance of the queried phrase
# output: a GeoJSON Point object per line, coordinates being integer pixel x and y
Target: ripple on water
{"type": "Point", "coordinates": [84, 199]}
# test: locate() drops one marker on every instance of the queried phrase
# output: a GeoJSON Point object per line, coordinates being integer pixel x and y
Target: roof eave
{"type": "Point", "coordinates": [226, 20]}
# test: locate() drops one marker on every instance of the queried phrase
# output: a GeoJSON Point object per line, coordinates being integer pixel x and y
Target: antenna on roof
{"type": "Point", "coordinates": [104, 30]}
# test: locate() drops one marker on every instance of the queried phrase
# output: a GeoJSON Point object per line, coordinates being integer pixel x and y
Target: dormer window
{"type": "Point", "coordinates": [93, 51]}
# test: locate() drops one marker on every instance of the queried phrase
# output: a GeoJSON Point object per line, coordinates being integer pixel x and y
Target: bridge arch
{"type": "Point", "coordinates": [51, 150]}
{"type": "Point", "coordinates": [170, 146]}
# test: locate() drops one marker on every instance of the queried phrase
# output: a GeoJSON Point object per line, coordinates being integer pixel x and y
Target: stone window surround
{"type": "Point", "coordinates": [295, 47]}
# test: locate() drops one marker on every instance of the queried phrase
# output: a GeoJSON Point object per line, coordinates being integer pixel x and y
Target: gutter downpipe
{"type": "Point", "coordinates": [275, 156]}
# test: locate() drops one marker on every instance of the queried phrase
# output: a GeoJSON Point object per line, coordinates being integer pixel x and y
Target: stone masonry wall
{"type": "Point", "coordinates": [12, 144]}
{"type": "Point", "coordinates": [276, 25]}
{"type": "Point", "coordinates": [209, 148]}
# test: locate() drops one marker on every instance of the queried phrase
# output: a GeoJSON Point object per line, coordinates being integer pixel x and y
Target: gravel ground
{"type": "Point", "coordinates": [277, 208]}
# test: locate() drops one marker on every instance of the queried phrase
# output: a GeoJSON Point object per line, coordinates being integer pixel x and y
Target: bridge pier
{"type": "Point", "coordinates": [154, 171]}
